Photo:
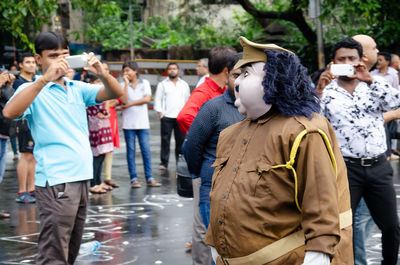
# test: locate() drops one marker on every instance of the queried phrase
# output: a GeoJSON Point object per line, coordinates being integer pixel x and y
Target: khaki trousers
{"type": "Point", "coordinates": [62, 210]}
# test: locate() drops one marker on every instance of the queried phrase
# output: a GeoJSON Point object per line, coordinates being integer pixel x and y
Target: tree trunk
{"type": "Point", "coordinates": [294, 15]}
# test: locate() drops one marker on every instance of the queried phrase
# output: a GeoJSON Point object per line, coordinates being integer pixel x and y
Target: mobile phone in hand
{"type": "Point", "coordinates": [77, 61]}
{"type": "Point", "coordinates": [342, 69]}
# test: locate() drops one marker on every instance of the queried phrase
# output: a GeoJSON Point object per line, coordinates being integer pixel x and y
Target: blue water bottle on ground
{"type": "Point", "coordinates": [89, 247]}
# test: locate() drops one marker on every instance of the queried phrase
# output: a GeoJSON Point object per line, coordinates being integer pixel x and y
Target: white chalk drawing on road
{"type": "Point", "coordinates": [107, 220]}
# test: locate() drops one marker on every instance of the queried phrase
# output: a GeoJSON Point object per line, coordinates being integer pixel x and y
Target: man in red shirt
{"type": "Point", "coordinates": [213, 86]}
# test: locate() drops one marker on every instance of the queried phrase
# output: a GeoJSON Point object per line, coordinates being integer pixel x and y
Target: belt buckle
{"type": "Point", "coordinates": [366, 162]}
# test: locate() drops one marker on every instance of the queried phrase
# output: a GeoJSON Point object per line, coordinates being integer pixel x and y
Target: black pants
{"type": "Point", "coordinates": [97, 166]}
{"type": "Point", "coordinates": [388, 140]}
{"type": "Point", "coordinates": [375, 184]}
{"type": "Point", "coordinates": [167, 125]}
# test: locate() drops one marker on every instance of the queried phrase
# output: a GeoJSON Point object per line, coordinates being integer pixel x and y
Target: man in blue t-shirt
{"type": "Point", "coordinates": [55, 109]}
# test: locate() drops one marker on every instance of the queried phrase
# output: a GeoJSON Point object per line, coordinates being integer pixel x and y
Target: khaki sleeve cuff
{"type": "Point", "coordinates": [324, 244]}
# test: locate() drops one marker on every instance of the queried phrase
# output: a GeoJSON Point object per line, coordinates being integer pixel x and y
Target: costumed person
{"type": "Point", "coordinates": [279, 192]}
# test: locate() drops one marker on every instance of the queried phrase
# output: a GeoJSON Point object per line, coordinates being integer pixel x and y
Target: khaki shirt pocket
{"type": "Point", "coordinates": [219, 164]}
{"type": "Point", "coordinates": [259, 178]}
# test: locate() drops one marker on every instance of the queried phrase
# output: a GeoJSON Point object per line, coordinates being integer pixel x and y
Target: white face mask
{"type": "Point", "coordinates": [249, 97]}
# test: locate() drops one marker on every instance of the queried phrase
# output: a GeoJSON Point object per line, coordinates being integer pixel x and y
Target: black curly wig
{"type": "Point", "coordinates": [287, 86]}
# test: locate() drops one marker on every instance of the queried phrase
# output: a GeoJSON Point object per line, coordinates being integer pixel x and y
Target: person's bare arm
{"type": "Point", "coordinates": [391, 115]}
{"type": "Point", "coordinates": [146, 99]}
{"type": "Point", "coordinates": [124, 98]}
{"type": "Point", "coordinates": [6, 78]}
{"type": "Point", "coordinates": [325, 78]}
{"type": "Point", "coordinates": [113, 103]}
{"type": "Point", "coordinates": [107, 105]}
{"type": "Point", "coordinates": [17, 106]}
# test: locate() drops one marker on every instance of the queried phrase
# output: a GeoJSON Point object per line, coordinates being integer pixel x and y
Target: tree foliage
{"type": "Point", "coordinates": [340, 18]}
{"type": "Point", "coordinates": [106, 23]}
{"type": "Point", "coordinates": [23, 18]}
{"type": "Point", "coordinates": [377, 18]}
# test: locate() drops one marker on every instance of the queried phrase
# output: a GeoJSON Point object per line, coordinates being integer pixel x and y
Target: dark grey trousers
{"type": "Point", "coordinates": [62, 210]}
{"type": "Point", "coordinates": [201, 253]}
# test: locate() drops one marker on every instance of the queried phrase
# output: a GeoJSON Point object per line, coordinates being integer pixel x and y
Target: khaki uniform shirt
{"type": "Point", "coordinates": [252, 205]}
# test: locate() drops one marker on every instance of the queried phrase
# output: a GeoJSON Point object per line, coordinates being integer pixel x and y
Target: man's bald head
{"type": "Point", "coordinates": [370, 52]}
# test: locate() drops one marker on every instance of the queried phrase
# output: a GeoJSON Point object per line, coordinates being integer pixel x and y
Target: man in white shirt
{"type": "Point", "coordinates": [383, 69]}
{"type": "Point", "coordinates": [171, 95]}
{"type": "Point", "coordinates": [202, 70]}
{"type": "Point", "coordinates": [355, 107]}
{"type": "Point", "coordinates": [395, 63]}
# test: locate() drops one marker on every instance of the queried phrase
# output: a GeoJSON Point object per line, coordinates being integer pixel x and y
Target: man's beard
{"type": "Point", "coordinates": [172, 76]}
{"type": "Point", "coordinates": [231, 92]}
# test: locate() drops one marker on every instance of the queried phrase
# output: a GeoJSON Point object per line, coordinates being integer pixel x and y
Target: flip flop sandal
{"type": "Point", "coordinates": [153, 183]}
{"type": "Point", "coordinates": [135, 184]}
{"type": "Point", "coordinates": [4, 215]}
{"type": "Point", "coordinates": [97, 191]}
{"type": "Point", "coordinates": [188, 245]}
{"type": "Point", "coordinates": [106, 186]}
{"type": "Point", "coordinates": [111, 183]}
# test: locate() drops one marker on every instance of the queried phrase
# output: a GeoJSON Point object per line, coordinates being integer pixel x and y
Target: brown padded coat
{"type": "Point", "coordinates": [253, 205]}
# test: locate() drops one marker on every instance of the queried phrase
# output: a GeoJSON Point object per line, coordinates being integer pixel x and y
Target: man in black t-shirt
{"type": "Point", "coordinates": [26, 164]}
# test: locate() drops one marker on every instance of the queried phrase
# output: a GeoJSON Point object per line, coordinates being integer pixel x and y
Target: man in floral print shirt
{"type": "Point", "coordinates": [354, 105]}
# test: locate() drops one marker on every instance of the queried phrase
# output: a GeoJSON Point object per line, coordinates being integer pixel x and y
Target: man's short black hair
{"type": "Point", "coordinates": [131, 64]}
{"type": "Point", "coordinates": [387, 56]}
{"type": "Point", "coordinates": [235, 58]}
{"type": "Point", "coordinates": [172, 64]}
{"type": "Point", "coordinates": [50, 41]}
{"type": "Point", "coordinates": [348, 43]}
{"type": "Point", "coordinates": [25, 55]}
{"type": "Point", "coordinates": [219, 57]}
{"type": "Point", "coordinates": [17, 66]}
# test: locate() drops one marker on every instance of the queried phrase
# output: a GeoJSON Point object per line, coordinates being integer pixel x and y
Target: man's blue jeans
{"type": "Point", "coordinates": [363, 225]}
{"type": "Point", "coordinates": [3, 152]}
{"type": "Point", "coordinates": [144, 143]}
{"type": "Point", "coordinates": [205, 213]}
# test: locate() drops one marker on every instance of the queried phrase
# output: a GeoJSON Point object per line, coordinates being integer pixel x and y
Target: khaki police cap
{"type": "Point", "coordinates": [254, 52]}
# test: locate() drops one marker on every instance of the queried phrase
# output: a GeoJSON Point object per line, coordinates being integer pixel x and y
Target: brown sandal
{"type": "Point", "coordinates": [135, 184]}
{"type": "Point", "coordinates": [105, 186]}
{"type": "Point", "coordinates": [153, 183]}
{"type": "Point", "coordinates": [111, 183]}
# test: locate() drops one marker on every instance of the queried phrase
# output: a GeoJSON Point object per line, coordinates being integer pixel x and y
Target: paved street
{"type": "Point", "coordinates": [135, 226]}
